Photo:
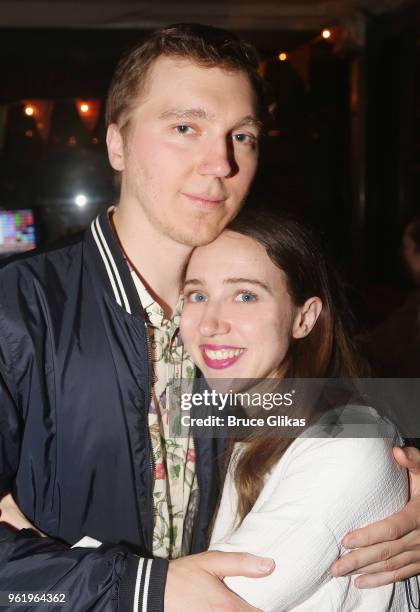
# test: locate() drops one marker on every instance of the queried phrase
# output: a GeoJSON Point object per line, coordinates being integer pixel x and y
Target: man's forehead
{"type": "Point", "coordinates": [179, 63]}
{"type": "Point", "coordinates": [167, 70]}
{"type": "Point", "coordinates": [179, 86]}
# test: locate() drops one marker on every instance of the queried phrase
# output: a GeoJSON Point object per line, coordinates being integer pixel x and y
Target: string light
{"type": "Point", "coordinates": [84, 107]}
{"type": "Point", "coordinates": [282, 56]}
{"type": "Point", "coordinates": [29, 110]}
{"type": "Point", "coordinates": [326, 34]}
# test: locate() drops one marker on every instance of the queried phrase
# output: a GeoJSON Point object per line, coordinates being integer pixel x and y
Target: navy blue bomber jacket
{"type": "Point", "coordinates": [74, 443]}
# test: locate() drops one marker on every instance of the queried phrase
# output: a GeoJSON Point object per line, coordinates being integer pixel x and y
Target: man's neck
{"type": "Point", "coordinates": [159, 261]}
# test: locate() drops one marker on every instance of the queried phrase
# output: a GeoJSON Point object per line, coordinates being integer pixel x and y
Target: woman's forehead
{"type": "Point", "coordinates": [229, 246]}
{"type": "Point", "coordinates": [233, 254]}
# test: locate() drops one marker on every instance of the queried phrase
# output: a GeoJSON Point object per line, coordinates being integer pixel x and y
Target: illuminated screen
{"type": "Point", "coordinates": [17, 231]}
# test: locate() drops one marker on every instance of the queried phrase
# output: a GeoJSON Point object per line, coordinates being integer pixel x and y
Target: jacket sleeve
{"type": "Point", "coordinates": [102, 579]}
{"type": "Point", "coordinates": [106, 578]}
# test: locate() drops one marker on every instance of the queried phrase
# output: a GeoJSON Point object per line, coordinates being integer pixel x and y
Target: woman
{"type": "Point", "coordinates": [260, 302]}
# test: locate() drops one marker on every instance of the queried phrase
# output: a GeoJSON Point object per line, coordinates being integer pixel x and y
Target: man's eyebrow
{"type": "Point", "coordinates": [200, 113]}
{"type": "Point", "coordinates": [185, 113]}
{"type": "Point", "coordinates": [251, 121]}
{"type": "Point", "coordinates": [251, 281]}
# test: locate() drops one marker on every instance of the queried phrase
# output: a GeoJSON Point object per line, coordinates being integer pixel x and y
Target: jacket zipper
{"type": "Point", "coordinates": [199, 487]}
{"type": "Point", "coordinates": [197, 512]}
{"type": "Point", "coordinates": [151, 458]}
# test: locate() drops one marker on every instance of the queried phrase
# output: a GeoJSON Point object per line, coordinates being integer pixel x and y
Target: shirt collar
{"type": "Point", "coordinates": [110, 265]}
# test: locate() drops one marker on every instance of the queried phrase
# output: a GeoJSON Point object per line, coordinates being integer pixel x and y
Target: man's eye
{"type": "Point", "coordinates": [183, 129]}
{"type": "Point", "coordinates": [196, 297]}
{"type": "Point", "coordinates": [246, 297]}
{"type": "Point", "coordinates": [247, 139]}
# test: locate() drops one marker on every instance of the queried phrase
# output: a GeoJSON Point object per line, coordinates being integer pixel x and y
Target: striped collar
{"type": "Point", "coordinates": [114, 268]}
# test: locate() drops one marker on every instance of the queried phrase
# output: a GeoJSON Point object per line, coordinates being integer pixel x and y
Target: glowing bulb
{"type": "Point", "coordinates": [80, 200]}
{"type": "Point", "coordinates": [282, 57]}
{"type": "Point", "coordinates": [326, 34]}
{"type": "Point", "coordinates": [84, 107]}
{"type": "Point", "coordinates": [29, 110]}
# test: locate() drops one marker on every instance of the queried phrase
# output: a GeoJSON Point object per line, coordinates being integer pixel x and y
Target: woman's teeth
{"type": "Point", "coordinates": [223, 354]}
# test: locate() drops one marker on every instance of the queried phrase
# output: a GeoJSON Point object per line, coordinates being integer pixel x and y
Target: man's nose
{"type": "Point", "coordinates": [218, 159]}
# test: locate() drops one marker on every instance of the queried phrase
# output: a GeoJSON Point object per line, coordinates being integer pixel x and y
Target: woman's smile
{"type": "Point", "coordinates": [219, 356]}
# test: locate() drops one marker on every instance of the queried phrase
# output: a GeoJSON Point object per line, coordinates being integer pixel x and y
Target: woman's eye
{"type": "Point", "coordinates": [183, 129]}
{"type": "Point", "coordinates": [246, 296]}
{"type": "Point", "coordinates": [196, 297]}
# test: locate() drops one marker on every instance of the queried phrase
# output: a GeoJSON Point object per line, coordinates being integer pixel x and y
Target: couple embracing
{"type": "Point", "coordinates": [90, 342]}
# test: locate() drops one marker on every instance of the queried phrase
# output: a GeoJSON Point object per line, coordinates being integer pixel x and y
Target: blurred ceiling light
{"type": "Point", "coordinates": [80, 200]}
{"type": "Point", "coordinates": [326, 34]}
{"type": "Point", "coordinates": [283, 56]}
{"type": "Point", "coordinates": [84, 107]}
{"type": "Point", "coordinates": [29, 110]}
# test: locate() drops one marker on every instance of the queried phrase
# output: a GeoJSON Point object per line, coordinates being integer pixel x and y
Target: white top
{"type": "Point", "coordinates": [319, 490]}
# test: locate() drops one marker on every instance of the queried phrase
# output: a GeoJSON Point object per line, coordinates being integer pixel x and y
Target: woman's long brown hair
{"type": "Point", "coordinates": [327, 351]}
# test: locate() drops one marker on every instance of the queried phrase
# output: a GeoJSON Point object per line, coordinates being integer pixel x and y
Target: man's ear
{"type": "Point", "coordinates": [115, 144]}
{"type": "Point", "coordinates": [306, 317]}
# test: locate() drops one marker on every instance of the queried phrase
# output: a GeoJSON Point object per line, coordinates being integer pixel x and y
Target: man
{"type": "Point", "coordinates": [89, 346]}
{"type": "Point", "coordinates": [84, 442]}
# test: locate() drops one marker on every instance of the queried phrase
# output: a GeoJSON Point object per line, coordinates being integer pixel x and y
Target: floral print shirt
{"type": "Point", "coordinates": [175, 490]}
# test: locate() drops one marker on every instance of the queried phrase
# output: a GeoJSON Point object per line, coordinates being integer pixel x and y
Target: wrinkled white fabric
{"type": "Point", "coordinates": [321, 489]}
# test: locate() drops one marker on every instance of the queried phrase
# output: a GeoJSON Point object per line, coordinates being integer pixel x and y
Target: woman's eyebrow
{"type": "Point", "coordinates": [252, 281]}
{"type": "Point", "coordinates": [232, 281]}
{"type": "Point", "coordinates": [193, 281]}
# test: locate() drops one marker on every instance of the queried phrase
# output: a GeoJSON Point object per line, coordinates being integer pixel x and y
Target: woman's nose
{"type": "Point", "coordinates": [214, 325]}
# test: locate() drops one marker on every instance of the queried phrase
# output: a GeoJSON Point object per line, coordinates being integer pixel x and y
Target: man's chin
{"type": "Point", "coordinates": [197, 238]}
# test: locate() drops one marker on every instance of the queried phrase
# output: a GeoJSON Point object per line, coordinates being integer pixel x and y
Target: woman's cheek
{"type": "Point", "coordinates": [189, 327]}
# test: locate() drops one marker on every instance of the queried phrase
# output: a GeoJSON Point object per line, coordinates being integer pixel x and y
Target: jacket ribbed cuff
{"type": "Point", "coordinates": [142, 588]}
{"type": "Point", "coordinates": [128, 584]}
{"type": "Point", "coordinates": [156, 594]}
